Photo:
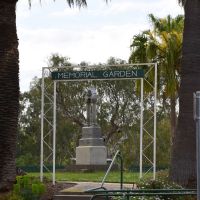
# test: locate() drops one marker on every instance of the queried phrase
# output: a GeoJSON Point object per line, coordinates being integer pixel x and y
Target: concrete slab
{"type": "Point", "coordinates": [81, 187]}
{"type": "Point", "coordinates": [77, 192]}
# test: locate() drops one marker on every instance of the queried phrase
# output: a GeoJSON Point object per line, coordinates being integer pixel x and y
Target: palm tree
{"type": "Point", "coordinates": [183, 161]}
{"type": "Point", "coordinates": [163, 45]}
{"type": "Point", "coordinates": [168, 33]}
{"type": "Point", "coordinates": [9, 89]}
{"type": "Point", "coordinates": [9, 92]}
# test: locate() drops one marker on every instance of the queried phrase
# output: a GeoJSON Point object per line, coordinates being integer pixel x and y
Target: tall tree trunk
{"type": "Point", "coordinates": [173, 117]}
{"type": "Point", "coordinates": [183, 161]}
{"type": "Point", "coordinates": [9, 92]}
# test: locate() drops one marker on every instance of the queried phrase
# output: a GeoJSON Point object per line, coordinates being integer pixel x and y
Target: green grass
{"type": "Point", "coordinates": [129, 177]}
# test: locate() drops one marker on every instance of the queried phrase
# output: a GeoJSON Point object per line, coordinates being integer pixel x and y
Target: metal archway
{"type": "Point", "coordinates": [48, 105]}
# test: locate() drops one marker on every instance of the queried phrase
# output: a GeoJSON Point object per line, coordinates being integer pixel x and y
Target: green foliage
{"type": "Point", "coordinates": [118, 116]}
{"type": "Point", "coordinates": [56, 60]}
{"type": "Point", "coordinates": [27, 188]}
{"type": "Point", "coordinates": [162, 182]}
{"type": "Point", "coordinates": [158, 184]}
{"type": "Point", "coordinates": [161, 44]}
{"type": "Point", "coordinates": [10, 196]}
{"type": "Point", "coordinates": [163, 141]}
{"type": "Point", "coordinates": [118, 110]}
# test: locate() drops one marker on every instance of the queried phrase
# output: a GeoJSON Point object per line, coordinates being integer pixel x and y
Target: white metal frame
{"type": "Point", "coordinates": [48, 124]}
{"type": "Point", "coordinates": [143, 130]}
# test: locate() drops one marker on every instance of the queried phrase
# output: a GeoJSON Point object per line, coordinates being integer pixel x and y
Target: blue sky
{"type": "Point", "coordinates": [91, 34]}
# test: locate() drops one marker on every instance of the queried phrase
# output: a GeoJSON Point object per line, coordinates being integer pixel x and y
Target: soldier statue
{"type": "Point", "coordinates": [91, 100]}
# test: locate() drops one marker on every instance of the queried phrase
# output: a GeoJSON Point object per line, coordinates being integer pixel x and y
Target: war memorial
{"type": "Point", "coordinates": [91, 149]}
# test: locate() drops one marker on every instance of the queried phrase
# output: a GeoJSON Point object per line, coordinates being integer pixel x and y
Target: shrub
{"type": "Point", "coordinates": [162, 182]}
{"type": "Point", "coordinates": [28, 188]}
{"type": "Point", "coordinates": [10, 196]}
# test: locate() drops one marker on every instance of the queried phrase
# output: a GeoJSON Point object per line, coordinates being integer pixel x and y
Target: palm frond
{"type": "Point", "coordinates": [29, 3]}
{"type": "Point", "coordinates": [71, 3]}
{"type": "Point", "coordinates": [79, 3]}
{"type": "Point", "coordinates": [161, 44]}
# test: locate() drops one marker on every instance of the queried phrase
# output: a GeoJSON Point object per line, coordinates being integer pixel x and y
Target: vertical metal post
{"type": "Point", "coordinates": [155, 119]}
{"type": "Point", "coordinates": [197, 119]}
{"type": "Point", "coordinates": [54, 132]}
{"type": "Point", "coordinates": [141, 123]}
{"type": "Point", "coordinates": [42, 129]}
{"type": "Point", "coordinates": [121, 171]}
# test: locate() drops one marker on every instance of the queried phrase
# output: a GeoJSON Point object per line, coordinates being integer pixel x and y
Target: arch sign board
{"type": "Point", "coordinates": [99, 75]}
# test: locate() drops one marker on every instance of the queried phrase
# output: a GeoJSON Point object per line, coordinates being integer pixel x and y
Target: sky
{"type": "Point", "coordinates": [91, 34]}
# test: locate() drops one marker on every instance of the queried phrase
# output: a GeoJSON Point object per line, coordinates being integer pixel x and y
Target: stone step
{"type": "Point", "coordinates": [75, 197]}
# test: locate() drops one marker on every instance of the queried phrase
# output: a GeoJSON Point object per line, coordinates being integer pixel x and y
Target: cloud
{"type": "Point", "coordinates": [22, 10]}
{"type": "Point", "coordinates": [93, 34]}
{"type": "Point", "coordinates": [92, 45]}
{"type": "Point", "coordinates": [104, 42]}
{"type": "Point", "coordinates": [66, 12]}
{"type": "Point", "coordinates": [26, 76]}
{"type": "Point", "coordinates": [160, 7]}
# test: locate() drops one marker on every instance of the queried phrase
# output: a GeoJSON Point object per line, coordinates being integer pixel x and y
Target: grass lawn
{"type": "Point", "coordinates": [129, 177]}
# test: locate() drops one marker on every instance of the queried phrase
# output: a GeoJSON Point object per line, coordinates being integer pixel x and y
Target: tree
{"type": "Point", "coordinates": [9, 89]}
{"type": "Point", "coordinates": [163, 45]}
{"type": "Point", "coordinates": [9, 92]}
{"type": "Point", "coordinates": [28, 144]}
{"type": "Point", "coordinates": [183, 161]}
{"type": "Point", "coordinates": [118, 116]}
{"type": "Point", "coordinates": [168, 51]}
{"type": "Point", "coordinates": [118, 110]}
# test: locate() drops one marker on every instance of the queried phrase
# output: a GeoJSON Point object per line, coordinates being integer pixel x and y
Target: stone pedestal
{"type": "Point", "coordinates": [91, 155]}
{"type": "Point", "coordinates": [91, 149]}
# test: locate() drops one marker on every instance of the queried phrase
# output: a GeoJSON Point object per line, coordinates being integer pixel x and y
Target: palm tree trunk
{"type": "Point", "coordinates": [9, 92]}
{"type": "Point", "coordinates": [173, 117]}
{"type": "Point", "coordinates": [183, 161]}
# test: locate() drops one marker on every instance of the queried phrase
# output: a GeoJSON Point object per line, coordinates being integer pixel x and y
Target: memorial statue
{"type": "Point", "coordinates": [91, 100]}
{"type": "Point", "coordinates": [91, 149]}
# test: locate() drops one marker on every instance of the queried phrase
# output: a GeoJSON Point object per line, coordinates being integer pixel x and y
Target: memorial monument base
{"type": "Point", "coordinates": [91, 149]}
{"type": "Point", "coordinates": [91, 155]}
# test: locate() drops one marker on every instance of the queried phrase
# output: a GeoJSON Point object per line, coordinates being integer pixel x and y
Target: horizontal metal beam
{"type": "Point", "coordinates": [99, 66]}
